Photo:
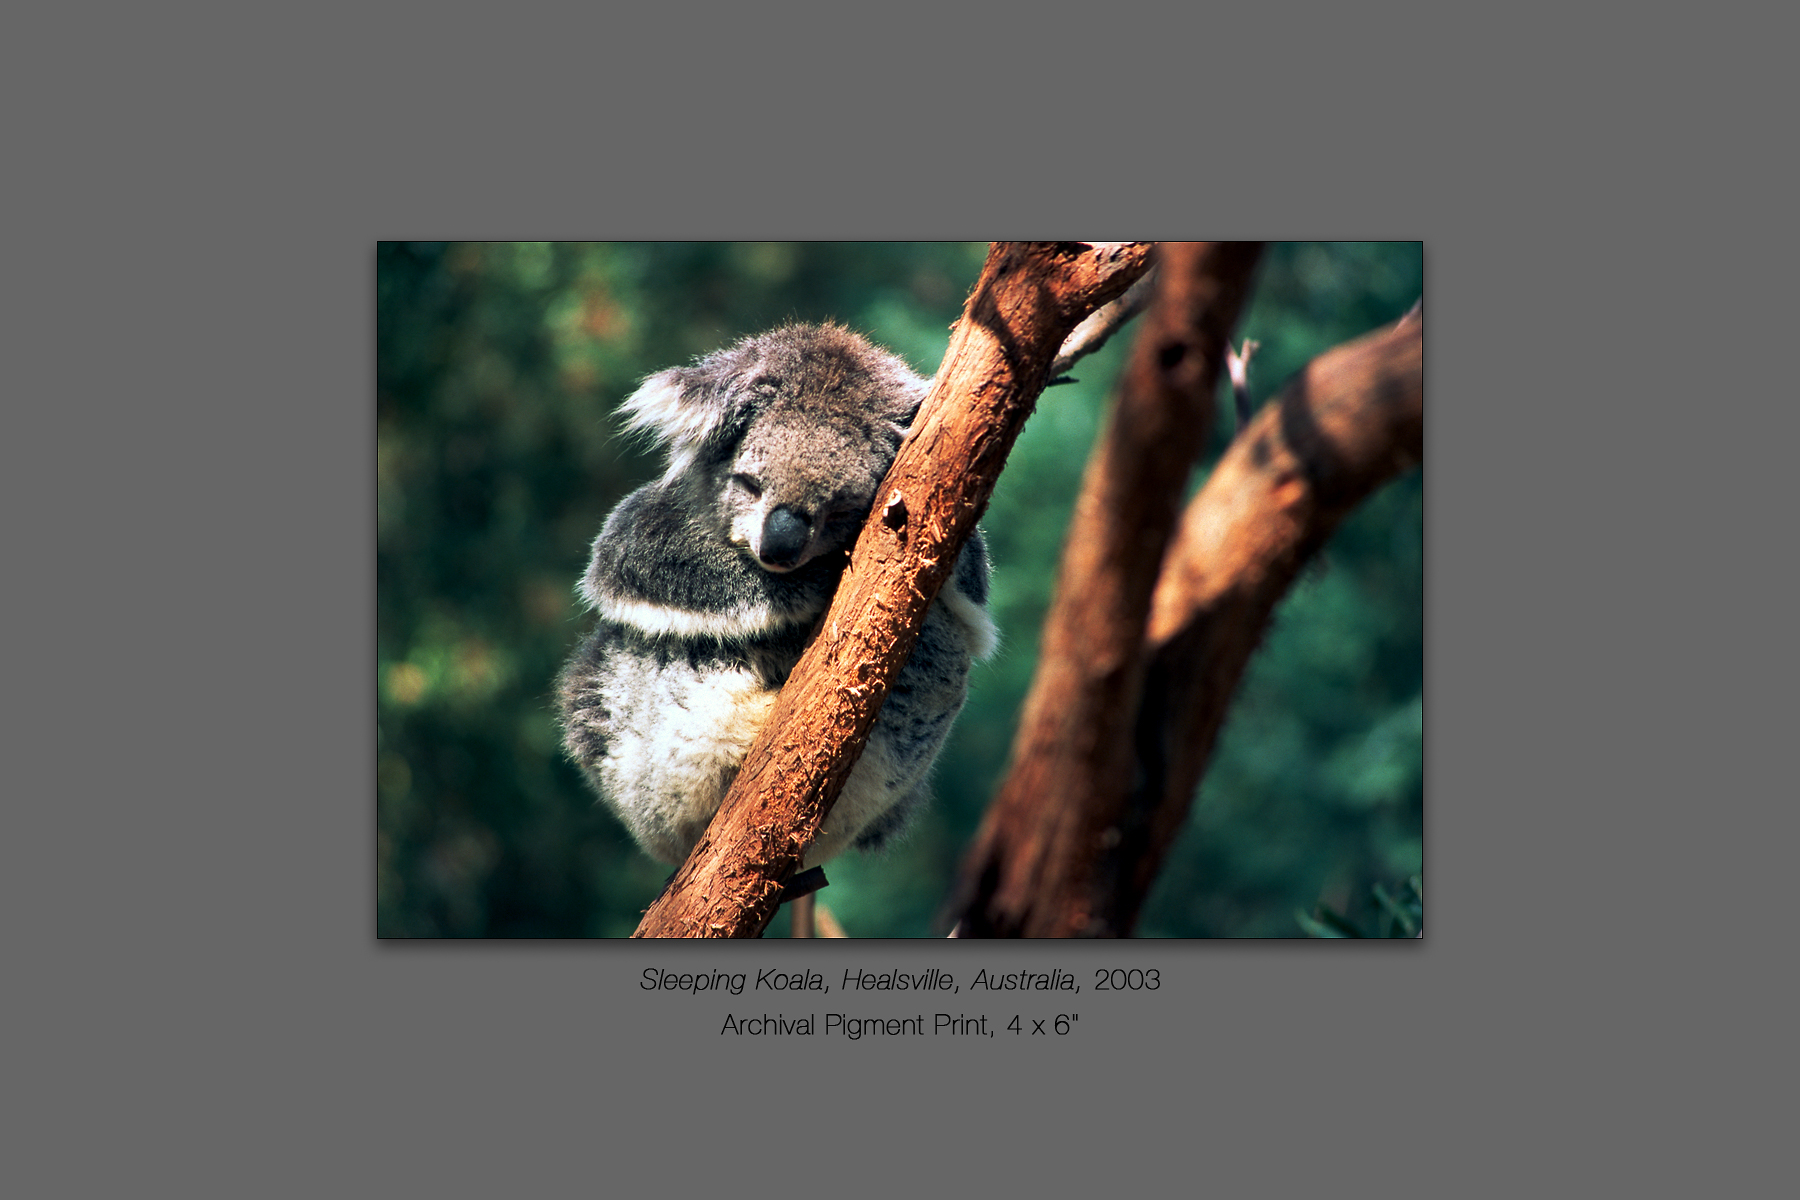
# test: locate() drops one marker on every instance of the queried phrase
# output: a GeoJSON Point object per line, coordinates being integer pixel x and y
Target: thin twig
{"type": "Point", "coordinates": [1106, 320]}
{"type": "Point", "coordinates": [1238, 363]}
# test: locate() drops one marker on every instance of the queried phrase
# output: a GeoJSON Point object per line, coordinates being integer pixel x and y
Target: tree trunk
{"type": "Point", "coordinates": [1348, 423]}
{"type": "Point", "coordinates": [1083, 825]}
{"type": "Point", "coordinates": [1037, 867]}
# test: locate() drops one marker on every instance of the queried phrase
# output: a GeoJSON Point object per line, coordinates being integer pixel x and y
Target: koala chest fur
{"type": "Point", "coordinates": [707, 584]}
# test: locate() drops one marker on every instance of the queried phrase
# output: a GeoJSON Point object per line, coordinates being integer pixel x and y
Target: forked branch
{"type": "Point", "coordinates": [1120, 722]}
{"type": "Point", "coordinates": [1032, 869]}
{"type": "Point", "coordinates": [1348, 423]}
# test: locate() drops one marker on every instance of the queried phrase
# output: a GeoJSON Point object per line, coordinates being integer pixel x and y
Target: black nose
{"type": "Point", "coordinates": [784, 537]}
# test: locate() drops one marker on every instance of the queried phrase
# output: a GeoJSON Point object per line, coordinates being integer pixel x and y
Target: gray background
{"type": "Point", "coordinates": [194, 993]}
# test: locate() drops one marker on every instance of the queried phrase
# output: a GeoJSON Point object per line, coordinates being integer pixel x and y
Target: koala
{"type": "Point", "coordinates": [708, 582]}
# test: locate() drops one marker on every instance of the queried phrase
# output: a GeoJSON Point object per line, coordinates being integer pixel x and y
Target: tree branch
{"type": "Point", "coordinates": [1030, 872]}
{"type": "Point", "coordinates": [1029, 296]}
{"type": "Point", "coordinates": [1106, 320]}
{"type": "Point", "coordinates": [1351, 421]}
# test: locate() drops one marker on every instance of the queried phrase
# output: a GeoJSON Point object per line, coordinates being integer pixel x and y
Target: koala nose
{"type": "Point", "coordinates": [784, 538]}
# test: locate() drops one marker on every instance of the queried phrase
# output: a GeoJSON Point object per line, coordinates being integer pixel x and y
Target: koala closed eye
{"type": "Point", "coordinates": [707, 584]}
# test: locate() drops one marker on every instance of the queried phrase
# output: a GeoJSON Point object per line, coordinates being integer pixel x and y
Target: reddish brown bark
{"type": "Point", "coordinates": [1032, 869]}
{"type": "Point", "coordinates": [1351, 421]}
{"type": "Point", "coordinates": [1029, 296]}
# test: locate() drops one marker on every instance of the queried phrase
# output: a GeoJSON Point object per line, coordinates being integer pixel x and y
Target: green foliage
{"type": "Point", "coordinates": [1393, 917]}
{"type": "Point", "coordinates": [498, 455]}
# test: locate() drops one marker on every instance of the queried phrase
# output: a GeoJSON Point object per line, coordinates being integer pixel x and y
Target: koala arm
{"type": "Point", "coordinates": [657, 569]}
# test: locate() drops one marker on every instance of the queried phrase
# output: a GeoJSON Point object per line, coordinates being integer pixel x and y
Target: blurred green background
{"type": "Point", "coordinates": [498, 368]}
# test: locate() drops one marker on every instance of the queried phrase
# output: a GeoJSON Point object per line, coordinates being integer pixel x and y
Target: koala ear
{"type": "Point", "coordinates": [678, 407]}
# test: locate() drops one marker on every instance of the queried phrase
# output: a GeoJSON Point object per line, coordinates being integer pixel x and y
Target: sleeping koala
{"type": "Point", "coordinates": [708, 583]}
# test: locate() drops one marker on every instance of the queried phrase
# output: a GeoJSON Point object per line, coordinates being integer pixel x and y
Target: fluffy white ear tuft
{"type": "Point", "coordinates": [666, 408]}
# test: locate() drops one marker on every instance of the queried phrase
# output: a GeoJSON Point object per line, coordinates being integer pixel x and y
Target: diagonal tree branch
{"type": "Point", "coordinates": [1031, 871]}
{"type": "Point", "coordinates": [1348, 423]}
{"type": "Point", "coordinates": [1028, 298]}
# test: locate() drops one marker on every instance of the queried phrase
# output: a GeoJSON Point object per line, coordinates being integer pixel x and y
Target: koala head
{"type": "Point", "coordinates": [782, 439]}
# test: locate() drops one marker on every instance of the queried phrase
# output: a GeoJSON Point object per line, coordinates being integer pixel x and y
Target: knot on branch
{"type": "Point", "coordinates": [893, 513]}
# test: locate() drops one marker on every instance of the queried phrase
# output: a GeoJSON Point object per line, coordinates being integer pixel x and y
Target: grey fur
{"type": "Point", "coordinates": [708, 582]}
